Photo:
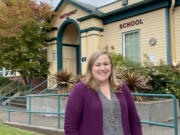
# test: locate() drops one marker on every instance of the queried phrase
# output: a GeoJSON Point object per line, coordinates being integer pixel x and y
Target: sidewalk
{"type": "Point", "coordinates": [49, 125]}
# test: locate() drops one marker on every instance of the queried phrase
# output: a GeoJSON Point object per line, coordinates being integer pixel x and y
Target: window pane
{"type": "Point", "coordinates": [132, 50]}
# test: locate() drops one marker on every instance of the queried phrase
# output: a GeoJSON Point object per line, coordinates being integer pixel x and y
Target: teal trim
{"type": "Point", "coordinates": [73, 3]}
{"type": "Point", "coordinates": [91, 29]}
{"type": "Point", "coordinates": [135, 9]}
{"type": "Point", "coordinates": [59, 5]}
{"type": "Point", "coordinates": [168, 44]}
{"type": "Point", "coordinates": [70, 45]}
{"type": "Point", "coordinates": [51, 44]}
{"type": "Point", "coordinates": [177, 3]}
{"type": "Point", "coordinates": [52, 29]}
{"type": "Point", "coordinates": [51, 39]}
{"type": "Point", "coordinates": [85, 18]}
{"type": "Point", "coordinates": [60, 44]}
{"type": "Point", "coordinates": [94, 35]}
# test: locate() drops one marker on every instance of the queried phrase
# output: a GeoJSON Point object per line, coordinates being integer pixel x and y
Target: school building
{"type": "Point", "coordinates": [133, 28]}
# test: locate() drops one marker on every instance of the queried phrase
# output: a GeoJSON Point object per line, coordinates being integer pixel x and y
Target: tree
{"type": "Point", "coordinates": [23, 25]}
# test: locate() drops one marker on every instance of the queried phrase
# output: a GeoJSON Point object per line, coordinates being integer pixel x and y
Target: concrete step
{"type": "Point", "coordinates": [18, 105]}
{"type": "Point", "coordinates": [19, 100]}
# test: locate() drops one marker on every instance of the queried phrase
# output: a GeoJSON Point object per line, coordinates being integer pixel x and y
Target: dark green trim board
{"type": "Point", "coordinates": [168, 45]}
{"type": "Point", "coordinates": [70, 45]}
{"type": "Point", "coordinates": [51, 39]}
{"type": "Point", "coordinates": [52, 29]}
{"type": "Point", "coordinates": [177, 3]}
{"type": "Point", "coordinates": [60, 44]}
{"type": "Point", "coordinates": [91, 35]}
{"type": "Point", "coordinates": [73, 3]}
{"type": "Point", "coordinates": [86, 18]}
{"type": "Point", "coordinates": [91, 29]}
{"type": "Point", "coordinates": [133, 10]}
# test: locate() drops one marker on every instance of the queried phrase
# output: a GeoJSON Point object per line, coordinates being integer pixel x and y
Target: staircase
{"type": "Point", "coordinates": [19, 102]}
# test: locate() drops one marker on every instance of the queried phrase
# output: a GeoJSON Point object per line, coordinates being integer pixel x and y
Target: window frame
{"type": "Point", "coordinates": [124, 44]}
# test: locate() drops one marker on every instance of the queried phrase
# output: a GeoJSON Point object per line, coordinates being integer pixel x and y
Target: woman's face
{"type": "Point", "coordinates": [101, 69]}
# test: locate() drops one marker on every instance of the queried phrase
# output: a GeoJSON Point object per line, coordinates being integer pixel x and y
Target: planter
{"type": "Point", "coordinates": [47, 104]}
{"type": "Point", "coordinates": [159, 111]}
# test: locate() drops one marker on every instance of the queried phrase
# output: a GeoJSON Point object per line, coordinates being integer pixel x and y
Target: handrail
{"type": "Point", "coordinates": [59, 113]}
{"type": "Point", "coordinates": [40, 84]}
{"type": "Point", "coordinates": [175, 125]}
{"type": "Point", "coordinates": [30, 90]}
{"type": "Point", "coordinates": [9, 91]}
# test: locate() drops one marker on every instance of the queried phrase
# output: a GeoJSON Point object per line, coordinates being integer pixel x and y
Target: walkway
{"type": "Point", "coordinates": [48, 124]}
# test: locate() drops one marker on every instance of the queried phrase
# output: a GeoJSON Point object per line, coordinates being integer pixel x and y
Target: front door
{"type": "Point", "coordinates": [69, 59]}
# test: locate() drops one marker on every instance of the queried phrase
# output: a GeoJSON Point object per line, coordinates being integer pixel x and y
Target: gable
{"type": "Point", "coordinates": [67, 10]}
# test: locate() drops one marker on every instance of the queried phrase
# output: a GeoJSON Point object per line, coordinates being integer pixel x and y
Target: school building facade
{"type": "Point", "coordinates": [133, 28]}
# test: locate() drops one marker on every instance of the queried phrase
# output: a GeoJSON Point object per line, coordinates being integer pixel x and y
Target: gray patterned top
{"type": "Point", "coordinates": [112, 123]}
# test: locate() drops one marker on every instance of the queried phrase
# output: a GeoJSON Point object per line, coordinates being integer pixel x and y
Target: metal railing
{"type": "Point", "coordinates": [29, 98]}
{"type": "Point", "coordinates": [59, 113]}
{"type": "Point", "coordinates": [11, 88]}
{"type": "Point", "coordinates": [175, 125]}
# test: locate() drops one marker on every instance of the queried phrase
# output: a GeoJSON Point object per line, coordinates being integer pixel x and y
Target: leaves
{"type": "Point", "coordinates": [22, 36]}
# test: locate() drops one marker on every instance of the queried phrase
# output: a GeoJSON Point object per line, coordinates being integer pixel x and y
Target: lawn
{"type": "Point", "coordinates": [7, 130]}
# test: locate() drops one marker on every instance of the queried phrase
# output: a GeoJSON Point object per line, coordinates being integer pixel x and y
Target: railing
{"type": "Point", "coordinates": [59, 113]}
{"type": "Point", "coordinates": [175, 125]}
{"type": "Point", "coordinates": [47, 85]}
{"type": "Point", "coordinates": [29, 97]}
{"type": "Point", "coordinates": [10, 89]}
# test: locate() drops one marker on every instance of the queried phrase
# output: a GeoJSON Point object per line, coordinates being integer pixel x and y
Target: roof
{"type": "Point", "coordinates": [84, 6]}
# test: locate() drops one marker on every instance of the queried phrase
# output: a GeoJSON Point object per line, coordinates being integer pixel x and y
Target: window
{"type": "Point", "coordinates": [131, 45]}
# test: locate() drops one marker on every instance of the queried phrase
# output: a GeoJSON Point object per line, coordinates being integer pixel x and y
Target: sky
{"type": "Point", "coordinates": [91, 2]}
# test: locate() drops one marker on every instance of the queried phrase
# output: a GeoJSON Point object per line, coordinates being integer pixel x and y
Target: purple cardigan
{"type": "Point", "coordinates": [84, 114]}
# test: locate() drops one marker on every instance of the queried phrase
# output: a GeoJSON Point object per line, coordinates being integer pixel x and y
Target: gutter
{"type": "Point", "coordinates": [173, 57]}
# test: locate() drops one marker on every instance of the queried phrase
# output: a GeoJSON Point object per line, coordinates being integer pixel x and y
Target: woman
{"type": "Point", "coordinates": [99, 105]}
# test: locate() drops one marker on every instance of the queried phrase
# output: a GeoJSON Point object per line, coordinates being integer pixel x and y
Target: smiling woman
{"type": "Point", "coordinates": [100, 104]}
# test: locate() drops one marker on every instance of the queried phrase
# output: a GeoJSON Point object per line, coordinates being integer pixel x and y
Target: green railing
{"type": "Point", "coordinates": [29, 97]}
{"type": "Point", "coordinates": [49, 84]}
{"type": "Point", "coordinates": [59, 113]}
{"type": "Point", "coordinates": [10, 89]}
{"type": "Point", "coordinates": [175, 125]}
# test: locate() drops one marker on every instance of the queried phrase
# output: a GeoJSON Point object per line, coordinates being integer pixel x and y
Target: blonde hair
{"type": "Point", "coordinates": [89, 81]}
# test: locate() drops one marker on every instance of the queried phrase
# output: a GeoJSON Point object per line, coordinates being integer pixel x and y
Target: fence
{"type": "Point", "coordinates": [59, 113]}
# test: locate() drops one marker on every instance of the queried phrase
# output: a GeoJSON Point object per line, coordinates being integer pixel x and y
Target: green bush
{"type": "Point", "coordinates": [156, 79]}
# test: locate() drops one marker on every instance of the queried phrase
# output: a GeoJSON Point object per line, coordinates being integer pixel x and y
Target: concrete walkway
{"type": "Point", "coordinates": [48, 125]}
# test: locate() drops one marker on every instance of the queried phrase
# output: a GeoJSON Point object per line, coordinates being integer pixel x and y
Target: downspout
{"type": "Point", "coordinates": [173, 55]}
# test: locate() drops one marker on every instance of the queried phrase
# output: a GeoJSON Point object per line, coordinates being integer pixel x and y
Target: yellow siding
{"type": "Point", "coordinates": [94, 22]}
{"type": "Point", "coordinates": [116, 5]}
{"type": "Point", "coordinates": [153, 27]}
{"type": "Point", "coordinates": [177, 33]}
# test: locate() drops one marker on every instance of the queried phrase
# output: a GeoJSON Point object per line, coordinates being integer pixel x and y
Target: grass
{"type": "Point", "coordinates": [7, 130]}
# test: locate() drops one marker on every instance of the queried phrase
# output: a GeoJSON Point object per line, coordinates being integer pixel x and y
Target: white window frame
{"type": "Point", "coordinates": [124, 44]}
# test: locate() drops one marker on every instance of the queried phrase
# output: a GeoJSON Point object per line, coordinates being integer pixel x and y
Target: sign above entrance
{"type": "Point", "coordinates": [130, 23]}
{"type": "Point", "coordinates": [83, 59]}
{"type": "Point", "coordinates": [68, 14]}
